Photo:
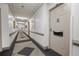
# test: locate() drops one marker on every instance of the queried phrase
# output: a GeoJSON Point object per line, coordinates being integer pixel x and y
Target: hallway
{"type": "Point", "coordinates": [39, 29]}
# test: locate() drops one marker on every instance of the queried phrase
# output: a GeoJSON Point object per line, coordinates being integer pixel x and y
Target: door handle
{"type": "Point", "coordinates": [58, 33]}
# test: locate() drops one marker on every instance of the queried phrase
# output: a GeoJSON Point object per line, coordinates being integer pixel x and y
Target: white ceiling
{"type": "Point", "coordinates": [24, 9]}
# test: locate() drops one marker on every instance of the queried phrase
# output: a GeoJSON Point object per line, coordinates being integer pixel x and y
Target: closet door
{"type": "Point", "coordinates": [0, 33]}
{"type": "Point", "coordinates": [59, 34]}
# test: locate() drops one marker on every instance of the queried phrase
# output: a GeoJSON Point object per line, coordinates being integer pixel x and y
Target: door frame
{"type": "Point", "coordinates": [28, 28]}
{"type": "Point", "coordinates": [71, 25]}
{"type": "Point", "coordinates": [57, 5]}
{"type": "Point", "coordinates": [0, 32]}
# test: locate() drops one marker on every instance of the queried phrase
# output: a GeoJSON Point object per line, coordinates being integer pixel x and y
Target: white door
{"type": "Point", "coordinates": [0, 33]}
{"type": "Point", "coordinates": [59, 22]}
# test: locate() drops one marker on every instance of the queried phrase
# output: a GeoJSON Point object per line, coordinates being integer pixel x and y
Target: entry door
{"type": "Point", "coordinates": [59, 30]}
{"type": "Point", "coordinates": [0, 33]}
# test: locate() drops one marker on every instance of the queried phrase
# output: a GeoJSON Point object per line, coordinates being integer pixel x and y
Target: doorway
{"type": "Point", "coordinates": [59, 25]}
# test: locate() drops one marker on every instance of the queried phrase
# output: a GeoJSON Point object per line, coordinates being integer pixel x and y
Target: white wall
{"type": "Point", "coordinates": [75, 15]}
{"type": "Point", "coordinates": [75, 27]}
{"type": "Point", "coordinates": [11, 18]}
{"type": "Point", "coordinates": [5, 30]}
{"type": "Point", "coordinates": [41, 25]}
{"type": "Point", "coordinates": [11, 29]}
{"type": "Point", "coordinates": [6, 25]}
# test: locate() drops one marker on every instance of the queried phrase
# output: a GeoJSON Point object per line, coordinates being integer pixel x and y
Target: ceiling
{"type": "Point", "coordinates": [24, 9]}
